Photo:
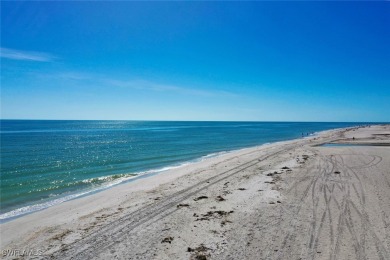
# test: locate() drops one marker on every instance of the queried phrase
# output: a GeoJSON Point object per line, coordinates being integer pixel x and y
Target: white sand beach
{"type": "Point", "coordinates": [287, 200]}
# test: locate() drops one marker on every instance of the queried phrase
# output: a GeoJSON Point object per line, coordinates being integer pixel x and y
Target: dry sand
{"type": "Point", "coordinates": [289, 200]}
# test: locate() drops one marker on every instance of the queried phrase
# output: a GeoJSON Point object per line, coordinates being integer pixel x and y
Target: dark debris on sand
{"type": "Point", "coordinates": [200, 252]}
{"type": "Point", "coordinates": [182, 205]}
{"type": "Point", "coordinates": [167, 240]}
{"type": "Point", "coordinates": [220, 198]}
{"type": "Point", "coordinates": [201, 198]}
{"type": "Point", "coordinates": [214, 214]}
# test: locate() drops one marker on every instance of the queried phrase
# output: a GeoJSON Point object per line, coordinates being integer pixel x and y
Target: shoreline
{"type": "Point", "coordinates": [39, 206]}
{"type": "Point", "coordinates": [213, 208]}
{"type": "Point", "coordinates": [89, 192]}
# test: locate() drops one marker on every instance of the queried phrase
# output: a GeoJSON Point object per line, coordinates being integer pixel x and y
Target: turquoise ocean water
{"type": "Point", "coordinates": [47, 162]}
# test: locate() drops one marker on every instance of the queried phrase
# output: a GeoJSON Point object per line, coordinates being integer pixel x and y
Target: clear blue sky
{"type": "Point", "coordinates": [262, 61]}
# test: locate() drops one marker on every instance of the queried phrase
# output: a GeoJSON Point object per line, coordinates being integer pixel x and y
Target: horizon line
{"type": "Point", "coordinates": [180, 120]}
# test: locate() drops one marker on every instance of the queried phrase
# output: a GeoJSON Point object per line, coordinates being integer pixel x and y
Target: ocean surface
{"type": "Point", "coordinates": [47, 162]}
